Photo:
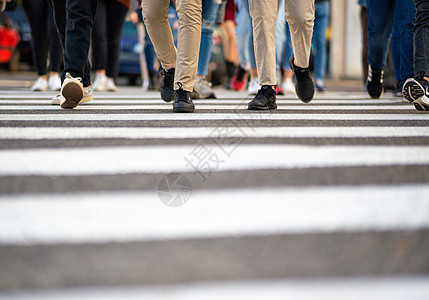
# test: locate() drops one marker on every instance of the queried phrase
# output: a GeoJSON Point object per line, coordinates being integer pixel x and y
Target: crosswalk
{"type": "Point", "coordinates": [122, 199]}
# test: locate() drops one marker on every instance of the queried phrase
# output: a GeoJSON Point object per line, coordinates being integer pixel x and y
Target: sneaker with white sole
{"type": "Point", "coordinates": [110, 85]}
{"type": "Point", "coordinates": [253, 86]}
{"type": "Point", "coordinates": [40, 85]}
{"type": "Point", "coordinates": [72, 91]}
{"type": "Point", "coordinates": [100, 82]}
{"type": "Point", "coordinates": [54, 83]}
{"type": "Point", "coordinates": [87, 96]}
{"type": "Point", "coordinates": [416, 91]}
{"type": "Point", "coordinates": [202, 89]}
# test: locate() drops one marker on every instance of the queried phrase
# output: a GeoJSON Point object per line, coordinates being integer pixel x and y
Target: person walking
{"type": "Point", "coordinates": [300, 17]}
{"type": "Point", "coordinates": [385, 17]}
{"type": "Point", "coordinates": [106, 37]}
{"type": "Point", "coordinates": [321, 23]}
{"type": "Point", "coordinates": [202, 88]}
{"type": "Point", "coordinates": [75, 21]}
{"type": "Point", "coordinates": [416, 89]}
{"type": "Point", "coordinates": [179, 68]}
{"type": "Point", "coordinates": [45, 43]}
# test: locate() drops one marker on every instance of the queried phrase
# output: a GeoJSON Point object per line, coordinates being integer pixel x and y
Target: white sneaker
{"type": "Point", "coordinates": [41, 84]}
{"type": "Point", "coordinates": [72, 91]}
{"type": "Point", "coordinates": [100, 82]}
{"type": "Point", "coordinates": [253, 86]}
{"type": "Point", "coordinates": [87, 96]}
{"type": "Point", "coordinates": [110, 85]}
{"type": "Point", "coordinates": [54, 83]}
{"type": "Point", "coordinates": [288, 86]}
{"type": "Point", "coordinates": [145, 85]}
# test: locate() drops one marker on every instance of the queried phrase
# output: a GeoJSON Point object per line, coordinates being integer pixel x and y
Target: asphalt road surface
{"type": "Point", "coordinates": [122, 199]}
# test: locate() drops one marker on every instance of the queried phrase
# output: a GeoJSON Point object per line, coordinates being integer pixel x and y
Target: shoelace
{"type": "Point", "coordinates": [181, 93]}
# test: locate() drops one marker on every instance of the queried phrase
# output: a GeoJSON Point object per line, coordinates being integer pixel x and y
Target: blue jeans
{"type": "Point", "coordinates": [282, 35]}
{"type": "Point", "coordinates": [383, 16]}
{"type": "Point", "coordinates": [288, 49]}
{"type": "Point", "coordinates": [244, 34]}
{"type": "Point", "coordinates": [210, 9]}
{"type": "Point", "coordinates": [149, 52]}
{"type": "Point", "coordinates": [319, 39]}
{"type": "Point", "coordinates": [421, 38]}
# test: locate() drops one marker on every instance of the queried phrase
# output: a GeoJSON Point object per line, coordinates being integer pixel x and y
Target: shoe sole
{"type": "Point", "coordinates": [72, 93]}
{"type": "Point", "coordinates": [269, 107]}
{"type": "Point", "coordinates": [183, 109]}
{"type": "Point", "coordinates": [84, 100]}
{"type": "Point", "coordinates": [412, 90]}
{"type": "Point", "coordinates": [376, 96]}
{"type": "Point", "coordinates": [166, 97]}
{"type": "Point", "coordinates": [421, 105]}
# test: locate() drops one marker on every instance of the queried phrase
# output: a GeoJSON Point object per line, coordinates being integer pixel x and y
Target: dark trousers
{"type": "Point", "coordinates": [421, 38]}
{"type": "Point", "coordinates": [107, 36]}
{"type": "Point", "coordinates": [44, 36]}
{"type": "Point", "coordinates": [75, 22]}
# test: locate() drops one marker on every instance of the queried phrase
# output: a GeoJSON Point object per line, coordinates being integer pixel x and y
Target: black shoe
{"type": "Point", "coordinates": [183, 101]}
{"type": "Point", "coordinates": [265, 99]}
{"type": "Point", "coordinates": [304, 86]}
{"type": "Point", "coordinates": [167, 85]}
{"type": "Point", "coordinates": [374, 83]}
{"type": "Point", "coordinates": [416, 91]}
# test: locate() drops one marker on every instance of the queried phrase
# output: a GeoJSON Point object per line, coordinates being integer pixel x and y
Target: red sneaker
{"type": "Point", "coordinates": [239, 79]}
{"type": "Point", "coordinates": [279, 91]}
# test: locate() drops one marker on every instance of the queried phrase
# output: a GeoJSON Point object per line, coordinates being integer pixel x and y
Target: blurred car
{"type": "Point", "coordinates": [9, 38]}
{"type": "Point", "coordinates": [24, 52]}
{"type": "Point", "coordinates": [129, 59]}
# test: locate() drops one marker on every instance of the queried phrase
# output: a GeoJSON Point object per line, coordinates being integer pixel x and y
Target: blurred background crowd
{"type": "Point", "coordinates": [122, 53]}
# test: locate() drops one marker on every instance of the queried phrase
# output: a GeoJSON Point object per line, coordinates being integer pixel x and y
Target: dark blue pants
{"type": "Point", "coordinates": [421, 38]}
{"type": "Point", "coordinates": [75, 22]}
{"type": "Point", "coordinates": [385, 17]}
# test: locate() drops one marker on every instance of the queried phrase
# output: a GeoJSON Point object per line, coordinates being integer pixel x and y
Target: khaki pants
{"type": "Point", "coordinates": [155, 15]}
{"type": "Point", "coordinates": [300, 16]}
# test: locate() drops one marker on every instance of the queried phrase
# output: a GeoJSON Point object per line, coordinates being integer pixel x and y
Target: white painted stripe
{"type": "Point", "coordinates": [36, 133]}
{"type": "Point", "coordinates": [238, 106]}
{"type": "Point", "coordinates": [151, 100]}
{"type": "Point", "coordinates": [211, 116]}
{"type": "Point", "coordinates": [131, 216]}
{"type": "Point", "coordinates": [368, 288]}
{"type": "Point", "coordinates": [185, 158]}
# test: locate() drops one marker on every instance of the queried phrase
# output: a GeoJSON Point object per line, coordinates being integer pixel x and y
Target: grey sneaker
{"type": "Point", "coordinates": [87, 96]}
{"type": "Point", "coordinates": [72, 91]}
{"type": "Point", "coordinates": [202, 89]}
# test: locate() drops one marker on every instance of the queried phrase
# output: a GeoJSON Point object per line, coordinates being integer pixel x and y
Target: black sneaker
{"type": "Point", "coordinates": [167, 85]}
{"type": "Point", "coordinates": [416, 91]}
{"type": "Point", "coordinates": [183, 101]}
{"type": "Point", "coordinates": [304, 86]}
{"type": "Point", "coordinates": [265, 99]}
{"type": "Point", "coordinates": [374, 83]}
